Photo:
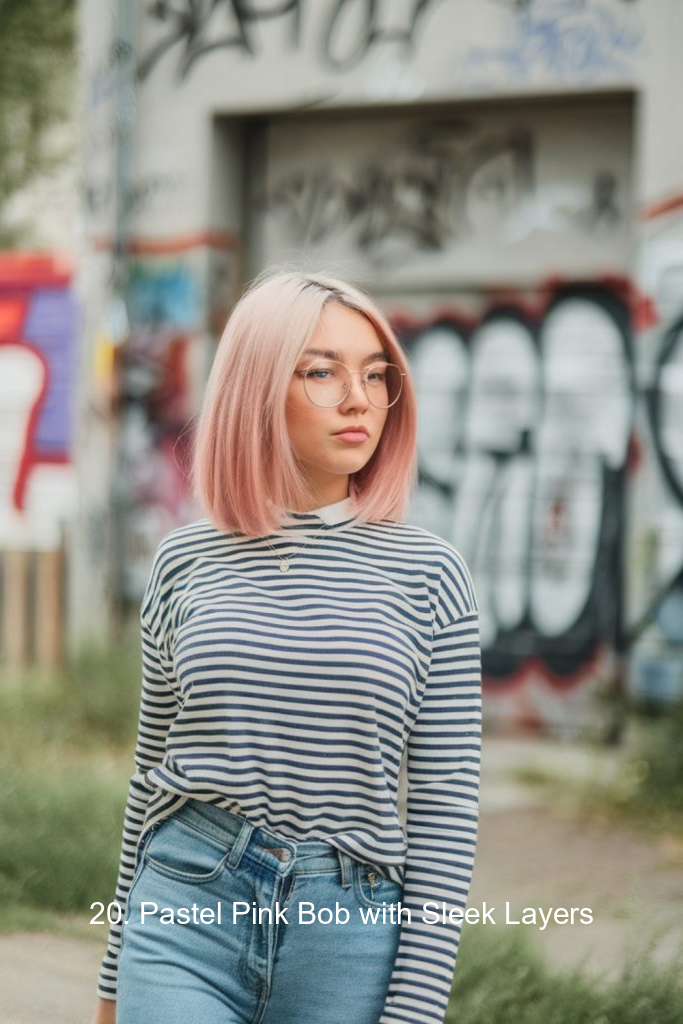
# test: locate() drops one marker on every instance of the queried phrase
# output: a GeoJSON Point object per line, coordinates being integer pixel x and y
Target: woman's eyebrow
{"type": "Point", "coordinates": [328, 353]}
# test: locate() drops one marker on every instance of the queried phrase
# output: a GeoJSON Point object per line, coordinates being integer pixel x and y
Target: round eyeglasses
{"type": "Point", "coordinates": [328, 382]}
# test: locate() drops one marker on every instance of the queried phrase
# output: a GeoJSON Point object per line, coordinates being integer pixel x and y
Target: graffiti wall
{"type": "Point", "coordinates": [449, 197]}
{"type": "Point", "coordinates": [170, 67]}
{"type": "Point", "coordinates": [503, 176]}
{"type": "Point", "coordinates": [38, 326]}
{"type": "Point", "coordinates": [522, 39]}
{"type": "Point", "coordinates": [526, 438]}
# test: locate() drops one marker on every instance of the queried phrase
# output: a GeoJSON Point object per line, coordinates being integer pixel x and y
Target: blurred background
{"type": "Point", "coordinates": [506, 178]}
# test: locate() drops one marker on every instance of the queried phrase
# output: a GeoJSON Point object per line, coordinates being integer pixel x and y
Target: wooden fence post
{"type": "Point", "coordinates": [15, 608]}
{"type": "Point", "coordinates": [32, 605]}
{"type": "Point", "coordinates": [49, 609]}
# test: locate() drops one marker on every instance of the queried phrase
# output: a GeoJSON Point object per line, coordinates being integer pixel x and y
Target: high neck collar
{"type": "Point", "coordinates": [338, 512]}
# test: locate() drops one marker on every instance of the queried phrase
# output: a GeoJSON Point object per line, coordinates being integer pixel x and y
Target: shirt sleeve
{"type": "Point", "coordinates": [443, 760]}
{"type": "Point", "coordinates": [158, 708]}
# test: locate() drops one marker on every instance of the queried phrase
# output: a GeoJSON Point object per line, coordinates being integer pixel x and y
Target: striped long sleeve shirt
{"type": "Point", "coordinates": [291, 699]}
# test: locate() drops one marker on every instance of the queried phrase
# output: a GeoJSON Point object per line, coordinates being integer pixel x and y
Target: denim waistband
{"type": "Point", "coordinates": [281, 853]}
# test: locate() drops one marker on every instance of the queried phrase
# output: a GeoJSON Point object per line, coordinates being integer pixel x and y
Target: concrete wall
{"type": "Point", "coordinates": [505, 177]}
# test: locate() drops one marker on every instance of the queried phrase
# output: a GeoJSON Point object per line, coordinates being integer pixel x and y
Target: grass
{"type": "Point", "coordinates": [60, 837]}
{"type": "Point", "coordinates": [91, 704]}
{"type": "Point", "coordinates": [645, 791]}
{"type": "Point", "coordinates": [501, 978]}
{"type": "Point", "coordinates": [653, 780]}
{"type": "Point", "coordinates": [66, 756]}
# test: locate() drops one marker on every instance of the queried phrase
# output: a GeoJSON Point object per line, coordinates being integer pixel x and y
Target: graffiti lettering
{"type": "Point", "coordinates": [435, 186]}
{"type": "Point", "coordinates": [343, 50]}
{"type": "Point", "coordinates": [605, 208]}
{"type": "Point", "coordinates": [351, 29]}
{"type": "Point", "coordinates": [524, 440]}
{"type": "Point", "coordinates": [531, 424]}
{"type": "Point", "coordinates": [563, 39]}
{"type": "Point", "coordinates": [192, 24]}
{"type": "Point", "coordinates": [433, 190]}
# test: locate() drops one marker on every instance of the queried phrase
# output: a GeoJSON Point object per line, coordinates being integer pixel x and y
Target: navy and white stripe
{"type": "Point", "coordinates": [291, 698]}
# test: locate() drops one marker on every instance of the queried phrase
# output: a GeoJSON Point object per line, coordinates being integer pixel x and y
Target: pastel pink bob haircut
{"type": "Point", "coordinates": [245, 474]}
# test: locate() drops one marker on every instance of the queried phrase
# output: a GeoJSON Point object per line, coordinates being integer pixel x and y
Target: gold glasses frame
{"type": "Point", "coordinates": [364, 380]}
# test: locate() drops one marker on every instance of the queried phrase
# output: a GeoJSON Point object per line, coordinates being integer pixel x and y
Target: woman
{"type": "Point", "coordinates": [297, 643]}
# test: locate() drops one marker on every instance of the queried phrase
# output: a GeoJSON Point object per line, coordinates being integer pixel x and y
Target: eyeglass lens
{"type": "Point", "coordinates": [327, 383]}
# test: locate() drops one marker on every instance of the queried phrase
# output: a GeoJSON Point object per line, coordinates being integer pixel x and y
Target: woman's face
{"type": "Point", "coordinates": [326, 457]}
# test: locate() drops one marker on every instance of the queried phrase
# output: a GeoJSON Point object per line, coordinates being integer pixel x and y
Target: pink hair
{"type": "Point", "coordinates": [244, 471]}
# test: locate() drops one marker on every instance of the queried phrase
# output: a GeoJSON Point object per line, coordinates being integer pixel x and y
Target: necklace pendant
{"type": "Point", "coordinates": [284, 565]}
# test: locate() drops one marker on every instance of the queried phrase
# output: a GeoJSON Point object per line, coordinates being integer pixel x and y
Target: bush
{"type": "Point", "coordinates": [66, 754]}
{"type": "Point", "coordinates": [501, 978]}
{"type": "Point", "coordinates": [92, 702]}
{"type": "Point", "coordinates": [60, 838]}
{"type": "Point", "coordinates": [660, 764]}
{"type": "Point", "coordinates": [649, 786]}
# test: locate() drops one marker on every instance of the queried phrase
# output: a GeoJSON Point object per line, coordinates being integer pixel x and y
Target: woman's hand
{"type": "Point", "coordinates": [105, 1012]}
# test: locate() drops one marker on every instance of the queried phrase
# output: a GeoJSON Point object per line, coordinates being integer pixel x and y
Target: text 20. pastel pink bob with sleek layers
{"type": "Point", "coordinates": [245, 474]}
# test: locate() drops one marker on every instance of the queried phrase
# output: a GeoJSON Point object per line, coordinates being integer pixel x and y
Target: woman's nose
{"type": "Point", "coordinates": [356, 394]}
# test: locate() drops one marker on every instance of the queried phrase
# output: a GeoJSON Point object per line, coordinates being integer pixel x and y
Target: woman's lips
{"type": "Point", "coordinates": [352, 436]}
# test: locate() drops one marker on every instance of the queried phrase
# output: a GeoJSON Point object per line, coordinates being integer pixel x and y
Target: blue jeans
{"type": "Point", "coordinates": [195, 952]}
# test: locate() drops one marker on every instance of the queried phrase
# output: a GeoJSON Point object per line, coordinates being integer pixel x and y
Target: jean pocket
{"type": "Point", "coordinates": [373, 889]}
{"type": "Point", "coordinates": [180, 851]}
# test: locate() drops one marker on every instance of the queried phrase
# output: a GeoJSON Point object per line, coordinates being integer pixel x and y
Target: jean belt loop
{"type": "Point", "coordinates": [346, 868]}
{"type": "Point", "coordinates": [240, 844]}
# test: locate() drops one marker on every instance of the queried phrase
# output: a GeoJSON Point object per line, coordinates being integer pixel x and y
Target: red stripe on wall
{"type": "Point", "coordinates": [664, 206]}
{"type": "Point", "coordinates": [169, 246]}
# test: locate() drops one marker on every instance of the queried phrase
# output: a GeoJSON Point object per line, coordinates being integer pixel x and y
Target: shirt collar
{"type": "Point", "coordinates": [337, 512]}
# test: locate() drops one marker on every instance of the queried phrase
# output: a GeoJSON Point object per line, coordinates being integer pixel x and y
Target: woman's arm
{"type": "Point", "coordinates": [105, 1012]}
{"type": "Point", "coordinates": [159, 706]}
{"type": "Point", "coordinates": [442, 815]}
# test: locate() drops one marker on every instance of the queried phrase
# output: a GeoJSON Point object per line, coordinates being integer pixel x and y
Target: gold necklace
{"type": "Point", "coordinates": [285, 560]}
